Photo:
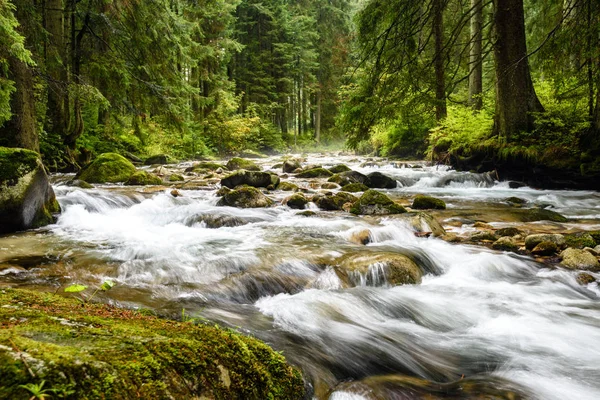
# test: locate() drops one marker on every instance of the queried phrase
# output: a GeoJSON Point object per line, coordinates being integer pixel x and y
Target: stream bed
{"type": "Point", "coordinates": [498, 320]}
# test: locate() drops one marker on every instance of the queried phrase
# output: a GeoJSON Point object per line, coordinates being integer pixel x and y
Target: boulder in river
{"type": "Point", "coordinates": [315, 173]}
{"type": "Point", "coordinates": [361, 237]}
{"type": "Point", "coordinates": [291, 165]}
{"type": "Point", "coordinates": [241, 163]}
{"type": "Point", "coordinates": [373, 202]}
{"type": "Point", "coordinates": [338, 169]}
{"type": "Point", "coordinates": [176, 178]}
{"type": "Point", "coordinates": [275, 181]}
{"type": "Point", "coordinates": [107, 168]}
{"type": "Point", "coordinates": [579, 240]}
{"type": "Point", "coordinates": [423, 202]}
{"type": "Point", "coordinates": [250, 178]}
{"type": "Point", "coordinates": [296, 201]}
{"type": "Point", "coordinates": [26, 197]}
{"type": "Point", "coordinates": [510, 231]}
{"type": "Point", "coordinates": [333, 201]}
{"type": "Point", "coordinates": [95, 351]}
{"type": "Point", "coordinates": [579, 259]}
{"type": "Point", "coordinates": [143, 178]}
{"type": "Point", "coordinates": [377, 180]}
{"type": "Point", "coordinates": [505, 243]}
{"type": "Point", "coordinates": [287, 187]}
{"type": "Point", "coordinates": [423, 223]}
{"type": "Point", "coordinates": [540, 214]}
{"type": "Point", "coordinates": [355, 177]}
{"type": "Point", "coordinates": [533, 240]}
{"type": "Point", "coordinates": [340, 180]}
{"type": "Point", "coordinates": [158, 159]}
{"type": "Point", "coordinates": [245, 197]}
{"type": "Point", "coordinates": [205, 165]}
{"type": "Point", "coordinates": [355, 188]}
{"type": "Point", "coordinates": [545, 248]}
{"type": "Point", "coordinates": [377, 268]}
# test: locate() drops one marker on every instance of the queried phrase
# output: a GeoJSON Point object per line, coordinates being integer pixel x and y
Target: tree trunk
{"type": "Point", "coordinates": [57, 64]}
{"type": "Point", "coordinates": [475, 59]}
{"type": "Point", "coordinates": [318, 117]}
{"type": "Point", "coordinates": [516, 99]}
{"type": "Point", "coordinates": [440, 78]}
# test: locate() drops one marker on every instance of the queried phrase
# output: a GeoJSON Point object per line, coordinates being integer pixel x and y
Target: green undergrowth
{"type": "Point", "coordinates": [93, 351]}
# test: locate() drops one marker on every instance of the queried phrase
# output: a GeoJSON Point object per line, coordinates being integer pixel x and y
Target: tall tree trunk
{"type": "Point", "coordinates": [57, 67]}
{"type": "Point", "coordinates": [476, 58]}
{"type": "Point", "coordinates": [318, 116]}
{"type": "Point", "coordinates": [440, 78]}
{"type": "Point", "coordinates": [76, 128]}
{"type": "Point", "coordinates": [516, 99]}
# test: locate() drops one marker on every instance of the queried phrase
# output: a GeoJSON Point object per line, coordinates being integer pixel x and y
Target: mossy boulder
{"type": "Point", "coordinates": [275, 181]}
{"type": "Point", "coordinates": [205, 165]}
{"type": "Point", "coordinates": [95, 351]}
{"type": "Point", "coordinates": [330, 186]}
{"type": "Point", "coordinates": [287, 187]}
{"type": "Point", "coordinates": [296, 201]}
{"type": "Point", "coordinates": [505, 243]}
{"type": "Point", "coordinates": [340, 180]}
{"type": "Point", "coordinates": [423, 202]}
{"type": "Point", "coordinates": [108, 168]}
{"type": "Point", "coordinates": [176, 178]}
{"type": "Point", "coordinates": [26, 196]}
{"type": "Point", "coordinates": [356, 177]}
{"type": "Point", "coordinates": [315, 173]}
{"type": "Point", "coordinates": [540, 214]}
{"type": "Point", "coordinates": [533, 240]}
{"type": "Point", "coordinates": [579, 259]}
{"type": "Point", "coordinates": [374, 203]}
{"type": "Point", "coordinates": [158, 159]}
{"type": "Point", "coordinates": [483, 236]}
{"type": "Point", "coordinates": [291, 165]}
{"type": "Point", "coordinates": [338, 169]}
{"type": "Point", "coordinates": [580, 240]}
{"type": "Point", "coordinates": [515, 201]}
{"type": "Point", "coordinates": [250, 178]}
{"type": "Point", "coordinates": [333, 201]}
{"type": "Point", "coordinates": [241, 163]}
{"type": "Point", "coordinates": [245, 197]}
{"type": "Point", "coordinates": [545, 249]}
{"type": "Point", "coordinates": [355, 188]}
{"type": "Point", "coordinates": [510, 231]}
{"type": "Point", "coordinates": [377, 180]}
{"type": "Point", "coordinates": [384, 267]}
{"type": "Point", "coordinates": [143, 178]}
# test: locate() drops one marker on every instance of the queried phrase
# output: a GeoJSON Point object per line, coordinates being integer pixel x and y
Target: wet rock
{"type": "Point", "coordinates": [374, 203]}
{"type": "Point", "coordinates": [107, 168]}
{"type": "Point", "coordinates": [307, 213]}
{"type": "Point", "coordinates": [275, 181]}
{"type": "Point", "coordinates": [579, 259]}
{"type": "Point", "coordinates": [355, 177]}
{"type": "Point", "coordinates": [80, 184]}
{"type": "Point", "coordinates": [338, 169]}
{"type": "Point", "coordinates": [287, 187]}
{"type": "Point", "coordinates": [540, 214]}
{"type": "Point", "coordinates": [195, 185]}
{"type": "Point", "coordinates": [545, 248]}
{"type": "Point", "coordinates": [515, 201]}
{"type": "Point", "coordinates": [338, 179]}
{"type": "Point", "coordinates": [176, 178]}
{"type": "Point", "coordinates": [511, 231]}
{"type": "Point", "coordinates": [244, 177]}
{"type": "Point", "coordinates": [277, 166]}
{"type": "Point", "coordinates": [143, 178]}
{"type": "Point", "coordinates": [423, 222]}
{"type": "Point", "coordinates": [291, 165]}
{"type": "Point", "coordinates": [26, 196]}
{"type": "Point", "coordinates": [392, 268]}
{"type": "Point", "coordinates": [333, 201]}
{"type": "Point", "coordinates": [451, 238]}
{"type": "Point", "coordinates": [483, 236]}
{"type": "Point", "coordinates": [216, 221]}
{"type": "Point", "coordinates": [205, 165]}
{"type": "Point", "coordinates": [245, 197]}
{"type": "Point", "coordinates": [585, 279]}
{"type": "Point", "coordinates": [483, 225]}
{"type": "Point", "coordinates": [361, 237]}
{"type": "Point", "coordinates": [423, 202]}
{"type": "Point", "coordinates": [222, 191]}
{"type": "Point", "coordinates": [580, 240]}
{"type": "Point", "coordinates": [176, 193]}
{"type": "Point", "coordinates": [240, 163]}
{"type": "Point", "coordinates": [592, 251]}
{"type": "Point", "coordinates": [296, 201]}
{"type": "Point", "coordinates": [377, 180]}
{"type": "Point", "coordinates": [505, 243]}
{"type": "Point", "coordinates": [355, 188]}
{"type": "Point", "coordinates": [330, 186]}
{"type": "Point", "coordinates": [157, 159]}
{"type": "Point", "coordinates": [315, 173]}
{"type": "Point", "coordinates": [516, 184]}
{"type": "Point", "coordinates": [533, 240]}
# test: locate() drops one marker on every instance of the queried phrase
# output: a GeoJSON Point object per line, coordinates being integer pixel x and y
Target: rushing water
{"type": "Point", "coordinates": [478, 314]}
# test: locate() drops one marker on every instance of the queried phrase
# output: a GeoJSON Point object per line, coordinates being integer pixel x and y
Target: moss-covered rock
{"type": "Point", "coordinates": [533, 240]}
{"type": "Point", "coordinates": [340, 180]}
{"type": "Point", "coordinates": [80, 184]}
{"type": "Point", "coordinates": [222, 191]}
{"type": "Point", "coordinates": [240, 163]}
{"type": "Point", "coordinates": [108, 168]}
{"type": "Point", "coordinates": [205, 165]}
{"type": "Point", "coordinates": [333, 201]}
{"type": "Point", "coordinates": [579, 259]}
{"type": "Point", "coordinates": [580, 240]}
{"type": "Point", "coordinates": [374, 203]}
{"type": "Point", "coordinates": [505, 243]}
{"type": "Point", "coordinates": [423, 202]}
{"type": "Point", "coordinates": [307, 213]}
{"type": "Point", "coordinates": [377, 180]}
{"type": "Point", "coordinates": [330, 186]}
{"type": "Point", "coordinates": [355, 188]}
{"type": "Point", "coordinates": [545, 248]}
{"type": "Point", "coordinates": [296, 201]}
{"type": "Point", "coordinates": [515, 201]}
{"type": "Point", "coordinates": [287, 187]}
{"type": "Point", "coordinates": [483, 236]}
{"type": "Point", "coordinates": [158, 159]}
{"type": "Point", "coordinates": [356, 177]}
{"type": "Point", "coordinates": [176, 178]}
{"type": "Point", "coordinates": [391, 268]}
{"type": "Point", "coordinates": [585, 279]}
{"type": "Point", "coordinates": [338, 169]}
{"type": "Point", "coordinates": [315, 173]}
{"type": "Point", "coordinates": [245, 197]}
{"type": "Point", "coordinates": [143, 178]}
{"type": "Point", "coordinates": [291, 165]}
{"type": "Point", "coordinates": [510, 231]}
{"type": "Point", "coordinates": [275, 181]}
{"type": "Point", "coordinates": [540, 214]}
{"type": "Point", "coordinates": [250, 178]}
{"type": "Point", "coordinates": [102, 352]}
{"type": "Point", "coordinates": [26, 197]}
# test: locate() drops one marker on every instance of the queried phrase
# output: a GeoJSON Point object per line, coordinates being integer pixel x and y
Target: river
{"type": "Point", "coordinates": [501, 319]}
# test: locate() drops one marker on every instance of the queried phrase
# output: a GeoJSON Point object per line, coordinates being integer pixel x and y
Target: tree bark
{"type": "Point", "coordinates": [475, 57]}
{"type": "Point", "coordinates": [57, 67]}
{"type": "Point", "coordinates": [318, 117]}
{"type": "Point", "coordinates": [440, 78]}
{"type": "Point", "coordinates": [516, 99]}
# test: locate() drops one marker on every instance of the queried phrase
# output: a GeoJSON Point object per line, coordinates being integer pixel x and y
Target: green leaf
{"type": "Point", "coordinates": [107, 285]}
{"type": "Point", "coordinates": [75, 288]}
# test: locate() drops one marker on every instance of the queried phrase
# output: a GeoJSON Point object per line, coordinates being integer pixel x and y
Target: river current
{"type": "Point", "coordinates": [499, 318]}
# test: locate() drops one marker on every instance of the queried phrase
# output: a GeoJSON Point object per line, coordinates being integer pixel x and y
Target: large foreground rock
{"type": "Point", "coordinates": [250, 178]}
{"type": "Point", "coordinates": [94, 351]}
{"type": "Point", "coordinates": [108, 168]}
{"type": "Point", "coordinates": [26, 197]}
{"type": "Point", "coordinates": [579, 259]}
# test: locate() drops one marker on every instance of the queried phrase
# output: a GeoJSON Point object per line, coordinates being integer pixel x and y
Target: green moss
{"type": "Point", "coordinates": [296, 201]}
{"type": "Point", "coordinates": [287, 187]}
{"type": "Point", "coordinates": [540, 214]}
{"type": "Point", "coordinates": [505, 244]}
{"type": "Point", "coordinates": [108, 167]}
{"type": "Point", "coordinates": [102, 352]}
{"type": "Point", "coordinates": [315, 173]}
{"type": "Point", "coordinates": [208, 165]}
{"type": "Point", "coordinates": [142, 178]}
{"type": "Point", "coordinates": [340, 180]}
{"type": "Point", "coordinates": [374, 203]}
{"type": "Point", "coordinates": [510, 231]}
{"type": "Point", "coordinates": [15, 163]}
{"type": "Point", "coordinates": [580, 240]}
{"type": "Point", "coordinates": [176, 178]}
{"type": "Point", "coordinates": [245, 197]}
{"type": "Point", "coordinates": [338, 169]}
{"type": "Point", "coordinates": [240, 163]}
{"type": "Point", "coordinates": [545, 248]}
{"type": "Point", "coordinates": [355, 187]}
{"type": "Point", "coordinates": [422, 202]}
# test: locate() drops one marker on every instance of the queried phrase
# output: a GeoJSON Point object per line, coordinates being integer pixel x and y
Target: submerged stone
{"type": "Point", "coordinates": [540, 214]}
{"type": "Point", "coordinates": [108, 168]}
{"type": "Point", "coordinates": [505, 243]}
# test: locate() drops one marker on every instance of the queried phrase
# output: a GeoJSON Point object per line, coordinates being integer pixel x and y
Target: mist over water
{"type": "Point", "coordinates": [270, 272]}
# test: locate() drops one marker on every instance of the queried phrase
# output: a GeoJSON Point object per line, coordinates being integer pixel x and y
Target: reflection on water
{"type": "Point", "coordinates": [477, 314]}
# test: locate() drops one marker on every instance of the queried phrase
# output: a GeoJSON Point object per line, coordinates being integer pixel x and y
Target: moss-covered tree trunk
{"type": "Point", "coordinates": [516, 99]}
{"type": "Point", "coordinates": [475, 59]}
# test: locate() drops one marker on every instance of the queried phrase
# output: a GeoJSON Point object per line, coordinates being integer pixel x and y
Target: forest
{"type": "Point", "coordinates": [473, 83]}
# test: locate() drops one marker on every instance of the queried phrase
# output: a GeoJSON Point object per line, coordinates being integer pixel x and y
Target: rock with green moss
{"type": "Point", "coordinates": [377, 180]}
{"type": "Point", "coordinates": [340, 180]}
{"type": "Point", "coordinates": [291, 165]}
{"type": "Point", "coordinates": [176, 178]}
{"type": "Point", "coordinates": [205, 165]}
{"type": "Point", "coordinates": [533, 240]}
{"type": "Point", "coordinates": [287, 187]}
{"type": "Point", "coordinates": [333, 201]}
{"type": "Point", "coordinates": [580, 240]}
{"type": "Point", "coordinates": [108, 168]}
{"type": "Point", "coordinates": [330, 186]}
{"type": "Point", "coordinates": [505, 243]}
{"type": "Point", "coordinates": [296, 201]}
{"type": "Point", "coordinates": [356, 177]}
{"type": "Point", "coordinates": [355, 188]}
{"type": "Point", "coordinates": [275, 181]}
{"type": "Point", "coordinates": [540, 214]}
{"type": "Point", "coordinates": [377, 268]}
{"type": "Point", "coordinates": [483, 236]}
{"type": "Point", "coordinates": [250, 178]}
{"type": "Point", "coordinates": [579, 259]}
{"type": "Point", "coordinates": [315, 173]}
{"type": "Point", "coordinates": [545, 248]}
{"type": "Point", "coordinates": [245, 197]}
{"type": "Point", "coordinates": [26, 197]}
{"type": "Point", "coordinates": [515, 201]}
{"type": "Point", "coordinates": [143, 178]}
{"type": "Point", "coordinates": [423, 202]}
{"type": "Point", "coordinates": [510, 231]}
{"type": "Point", "coordinates": [374, 203]}
{"type": "Point", "coordinates": [338, 169]}
{"type": "Point", "coordinates": [95, 351]}
{"type": "Point", "coordinates": [160, 159]}
{"type": "Point", "coordinates": [241, 163]}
